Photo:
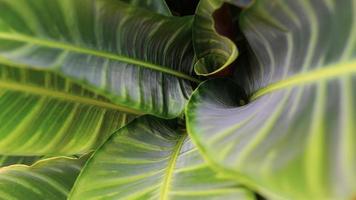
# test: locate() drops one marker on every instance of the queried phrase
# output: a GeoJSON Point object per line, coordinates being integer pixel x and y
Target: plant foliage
{"type": "Point", "coordinates": [119, 99]}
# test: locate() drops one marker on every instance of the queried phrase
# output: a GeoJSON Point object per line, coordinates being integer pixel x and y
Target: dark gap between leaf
{"type": "Point", "coordinates": [182, 7]}
{"type": "Point", "coordinates": [227, 24]}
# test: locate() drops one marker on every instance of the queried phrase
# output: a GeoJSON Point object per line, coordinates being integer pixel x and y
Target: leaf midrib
{"type": "Point", "coordinates": [69, 47]}
{"type": "Point", "coordinates": [326, 72]}
{"type": "Point", "coordinates": [40, 91]}
{"type": "Point", "coordinates": [170, 169]}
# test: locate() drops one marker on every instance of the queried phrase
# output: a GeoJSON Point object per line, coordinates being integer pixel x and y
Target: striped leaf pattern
{"type": "Point", "coordinates": [50, 178]}
{"type": "Point", "coordinates": [212, 42]}
{"type": "Point", "coordinates": [295, 138]}
{"type": "Point", "coordinates": [152, 159]}
{"type": "Point", "coordinates": [43, 114]}
{"type": "Point", "coordinates": [134, 57]}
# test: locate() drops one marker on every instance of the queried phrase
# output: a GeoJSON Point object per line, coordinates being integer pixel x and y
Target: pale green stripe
{"type": "Point", "coordinates": [64, 96]}
{"type": "Point", "coordinates": [166, 185]}
{"type": "Point", "coordinates": [314, 154]}
{"type": "Point", "coordinates": [69, 47]}
{"type": "Point", "coordinates": [327, 72]}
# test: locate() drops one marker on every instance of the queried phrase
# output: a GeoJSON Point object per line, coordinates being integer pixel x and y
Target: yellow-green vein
{"type": "Point", "coordinates": [327, 72]}
{"type": "Point", "coordinates": [112, 56]}
{"type": "Point", "coordinates": [171, 165]}
{"type": "Point", "coordinates": [35, 90]}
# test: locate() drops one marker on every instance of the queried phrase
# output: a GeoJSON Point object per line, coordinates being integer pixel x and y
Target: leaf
{"type": "Point", "coordinates": [136, 58]}
{"type": "Point", "coordinates": [10, 160]}
{"type": "Point", "coordinates": [42, 113]}
{"type": "Point", "coordinates": [50, 178]}
{"type": "Point", "coordinates": [159, 6]}
{"type": "Point", "coordinates": [296, 137]}
{"type": "Point", "coordinates": [152, 159]}
{"type": "Point", "coordinates": [213, 31]}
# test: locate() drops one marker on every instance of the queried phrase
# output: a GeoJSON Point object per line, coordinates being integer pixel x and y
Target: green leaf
{"type": "Point", "coordinates": [152, 159]}
{"type": "Point", "coordinates": [10, 160]}
{"type": "Point", "coordinates": [212, 36]}
{"type": "Point", "coordinates": [42, 113]}
{"type": "Point", "coordinates": [134, 57]}
{"type": "Point", "coordinates": [50, 178]}
{"type": "Point", "coordinates": [296, 137]}
{"type": "Point", "coordinates": [159, 6]}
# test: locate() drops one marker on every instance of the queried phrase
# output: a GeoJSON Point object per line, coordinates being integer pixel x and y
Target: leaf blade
{"type": "Point", "coordinates": [159, 6]}
{"type": "Point", "coordinates": [294, 139]}
{"type": "Point", "coordinates": [44, 114]}
{"type": "Point", "coordinates": [101, 49]}
{"type": "Point", "coordinates": [150, 159]}
{"type": "Point", "coordinates": [48, 178]}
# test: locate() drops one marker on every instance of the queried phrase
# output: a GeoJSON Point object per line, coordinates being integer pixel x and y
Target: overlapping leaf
{"type": "Point", "coordinates": [295, 139]}
{"type": "Point", "coordinates": [42, 113]}
{"type": "Point", "coordinates": [152, 159]}
{"type": "Point", "coordinates": [50, 178]}
{"type": "Point", "coordinates": [134, 57]}
{"type": "Point", "coordinates": [212, 36]}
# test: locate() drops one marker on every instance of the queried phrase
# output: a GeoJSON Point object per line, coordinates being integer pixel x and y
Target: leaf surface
{"type": "Point", "coordinates": [44, 114]}
{"type": "Point", "coordinates": [134, 57]}
{"type": "Point", "coordinates": [159, 6]}
{"type": "Point", "coordinates": [295, 138]}
{"type": "Point", "coordinates": [11, 160]}
{"type": "Point", "coordinates": [50, 178]}
{"type": "Point", "coordinates": [152, 159]}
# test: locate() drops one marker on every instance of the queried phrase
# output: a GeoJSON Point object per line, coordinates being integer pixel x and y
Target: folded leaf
{"type": "Point", "coordinates": [136, 58]}
{"type": "Point", "coordinates": [42, 113]}
{"type": "Point", "coordinates": [50, 178]}
{"type": "Point", "coordinates": [296, 138]}
{"type": "Point", "coordinates": [152, 159]}
{"type": "Point", "coordinates": [212, 36]}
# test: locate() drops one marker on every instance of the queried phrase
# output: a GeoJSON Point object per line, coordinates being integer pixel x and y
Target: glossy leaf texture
{"type": "Point", "coordinates": [213, 33]}
{"type": "Point", "coordinates": [295, 139]}
{"type": "Point", "coordinates": [158, 6]}
{"type": "Point", "coordinates": [152, 159]}
{"type": "Point", "coordinates": [135, 57]}
{"type": "Point", "coordinates": [44, 114]}
{"type": "Point", "coordinates": [50, 178]}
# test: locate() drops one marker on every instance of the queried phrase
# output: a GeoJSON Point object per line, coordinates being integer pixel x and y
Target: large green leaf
{"type": "Point", "coordinates": [50, 178]}
{"type": "Point", "coordinates": [152, 159]}
{"type": "Point", "coordinates": [42, 113]}
{"type": "Point", "coordinates": [296, 137]}
{"type": "Point", "coordinates": [212, 34]}
{"type": "Point", "coordinates": [159, 6]}
{"type": "Point", "coordinates": [134, 57]}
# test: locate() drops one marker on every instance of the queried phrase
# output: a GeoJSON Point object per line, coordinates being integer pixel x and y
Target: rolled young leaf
{"type": "Point", "coordinates": [45, 114]}
{"type": "Point", "coordinates": [152, 159]}
{"type": "Point", "coordinates": [212, 36]}
{"type": "Point", "coordinates": [296, 137]}
{"type": "Point", "coordinates": [50, 178]}
{"type": "Point", "coordinates": [134, 57]}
